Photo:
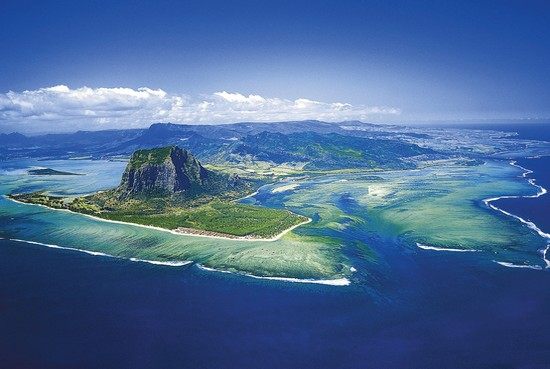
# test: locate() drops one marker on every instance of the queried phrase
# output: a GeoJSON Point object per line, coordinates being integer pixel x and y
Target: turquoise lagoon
{"type": "Point", "coordinates": [437, 207]}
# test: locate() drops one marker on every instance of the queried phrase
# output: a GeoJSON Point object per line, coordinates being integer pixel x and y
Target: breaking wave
{"type": "Point", "coordinates": [97, 253]}
{"type": "Point", "coordinates": [330, 282]}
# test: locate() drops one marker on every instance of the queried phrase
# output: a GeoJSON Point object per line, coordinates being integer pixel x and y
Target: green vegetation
{"type": "Point", "coordinates": [435, 205]}
{"type": "Point", "coordinates": [40, 198]}
{"type": "Point", "coordinates": [175, 176]}
{"type": "Point", "coordinates": [180, 194]}
{"type": "Point", "coordinates": [325, 151]}
{"type": "Point", "coordinates": [169, 188]}
{"type": "Point", "coordinates": [151, 156]}
{"type": "Point", "coordinates": [220, 217]}
{"type": "Point", "coordinates": [80, 205]}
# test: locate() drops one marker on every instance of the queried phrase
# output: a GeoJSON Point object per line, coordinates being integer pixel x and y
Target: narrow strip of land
{"type": "Point", "coordinates": [182, 231]}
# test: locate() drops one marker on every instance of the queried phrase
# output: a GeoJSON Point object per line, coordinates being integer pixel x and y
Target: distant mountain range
{"type": "Point", "coordinates": [315, 144]}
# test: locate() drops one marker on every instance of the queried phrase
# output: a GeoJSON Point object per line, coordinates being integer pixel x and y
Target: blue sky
{"type": "Point", "coordinates": [382, 60]}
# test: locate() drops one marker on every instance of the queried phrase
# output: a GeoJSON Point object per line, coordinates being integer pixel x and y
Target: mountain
{"type": "Point", "coordinates": [316, 144]}
{"type": "Point", "coordinates": [208, 141]}
{"type": "Point", "coordinates": [172, 134]}
{"type": "Point", "coordinates": [13, 139]}
{"type": "Point", "coordinates": [196, 137]}
{"type": "Point", "coordinates": [65, 145]}
{"type": "Point", "coordinates": [174, 172]}
{"type": "Point", "coordinates": [327, 151]}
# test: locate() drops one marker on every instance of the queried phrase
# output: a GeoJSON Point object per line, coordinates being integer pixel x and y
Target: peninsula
{"type": "Point", "coordinates": [168, 188]}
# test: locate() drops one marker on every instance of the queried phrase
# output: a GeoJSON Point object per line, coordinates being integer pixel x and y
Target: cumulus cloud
{"type": "Point", "coordinates": [120, 107]}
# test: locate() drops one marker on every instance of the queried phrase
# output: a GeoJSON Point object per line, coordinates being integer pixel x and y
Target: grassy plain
{"type": "Point", "coordinates": [217, 216]}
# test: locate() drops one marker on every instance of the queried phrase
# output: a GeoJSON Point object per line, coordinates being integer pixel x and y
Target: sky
{"type": "Point", "coordinates": [69, 65]}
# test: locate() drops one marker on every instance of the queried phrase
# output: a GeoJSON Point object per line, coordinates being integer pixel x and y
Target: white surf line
{"type": "Point", "coordinates": [544, 256]}
{"type": "Point", "coordinates": [540, 192]}
{"type": "Point", "coordinates": [173, 231]}
{"type": "Point", "coordinates": [522, 266]}
{"type": "Point", "coordinates": [157, 262]}
{"type": "Point", "coordinates": [526, 171]}
{"type": "Point", "coordinates": [433, 248]}
{"type": "Point", "coordinates": [329, 282]}
{"type": "Point", "coordinates": [97, 253]}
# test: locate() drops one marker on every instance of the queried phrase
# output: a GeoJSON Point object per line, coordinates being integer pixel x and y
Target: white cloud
{"type": "Point", "coordinates": [97, 108]}
{"type": "Point", "coordinates": [238, 98]}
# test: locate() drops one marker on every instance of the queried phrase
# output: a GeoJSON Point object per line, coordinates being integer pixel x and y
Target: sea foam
{"type": "Point", "coordinates": [330, 282]}
{"type": "Point", "coordinates": [523, 266]}
{"type": "Point", "coordinates": [540, 192]}
{"type": "Point", "coordinates": [433, 248]}
{"type": "Point", "coordinates": [97, 253]}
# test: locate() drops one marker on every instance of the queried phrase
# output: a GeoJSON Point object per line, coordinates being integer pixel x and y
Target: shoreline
{"type": "Point", "coordinates": [540, 192]}
{"type": "Point", "coordinates": [213, 235]}
{"type": "Point", "coordinates": [332, 282]}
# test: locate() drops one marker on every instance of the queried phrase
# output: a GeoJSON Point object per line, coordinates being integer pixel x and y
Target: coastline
{"type": "Point", "coordinates": [540, 192]}
{"type": "Point", "coordinates": [185, 232]}
{"type": "Point", "coordinates": [332, 282]}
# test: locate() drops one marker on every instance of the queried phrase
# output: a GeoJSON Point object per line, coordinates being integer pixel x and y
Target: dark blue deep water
{"type": "Point", "coordinates": [69, 310]}
{"type": "Point", "coordinates": [63, 309]}
{"type": "Point", "coordinates": [536, 210]}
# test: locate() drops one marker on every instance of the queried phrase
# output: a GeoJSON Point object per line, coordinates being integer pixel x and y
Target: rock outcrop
{"type": "Point", "coordinates": [172, 171]}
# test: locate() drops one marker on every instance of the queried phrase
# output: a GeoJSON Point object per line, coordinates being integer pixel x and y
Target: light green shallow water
{"type": "Point", "coordinates": [439, 206]}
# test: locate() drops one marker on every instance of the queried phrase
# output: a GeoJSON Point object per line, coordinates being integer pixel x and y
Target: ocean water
{"type": "Point", "coordinates": [423, 309]}
{"type": "Point", "coordinates": [536, 210]}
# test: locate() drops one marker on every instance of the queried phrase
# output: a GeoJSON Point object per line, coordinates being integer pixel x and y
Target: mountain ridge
{"type": "Point", "coordinates": [173, 172]}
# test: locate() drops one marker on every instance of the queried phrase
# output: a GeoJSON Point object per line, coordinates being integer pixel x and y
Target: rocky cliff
{"type": "Point", "coordinates": [172, 171]}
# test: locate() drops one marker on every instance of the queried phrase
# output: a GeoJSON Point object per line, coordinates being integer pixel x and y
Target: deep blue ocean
{"type": "Point", "coordinates": [536, 210]}
{"type": "Point", "coordinates": [62, 309]}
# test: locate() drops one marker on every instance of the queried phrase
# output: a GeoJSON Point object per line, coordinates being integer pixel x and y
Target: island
{"type": "Point", "coordinates": [50, 172]}
{"type": "Point", "coordinates": [168, 188]}
{"type": "Point", "coordinates": [362, 184]}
